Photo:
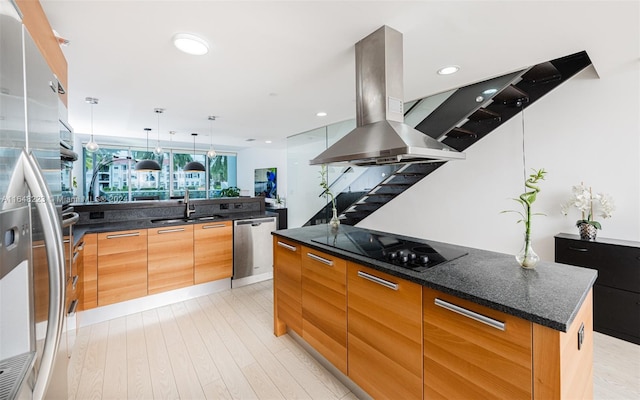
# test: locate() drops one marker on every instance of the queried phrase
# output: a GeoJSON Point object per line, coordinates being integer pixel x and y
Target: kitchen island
{"type": "Point", "coordinates": [476, 326]}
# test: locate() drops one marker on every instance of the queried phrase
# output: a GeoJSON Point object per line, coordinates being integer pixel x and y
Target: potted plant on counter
{"type": "Point", "coordinates": [335, 221]}
{"type": "Point", "coordinates": [527, 258]}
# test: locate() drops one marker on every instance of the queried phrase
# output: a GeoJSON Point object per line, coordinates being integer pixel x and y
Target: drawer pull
{"type": "Point", "coordinates": [471, 314]}
{"type": "Point", "coordinates": [287, 246]}
{"type": "Point", "coordinates": [74, 282]}
{"type": "Point", "coordinates": [580, 249]}
{"type": "Point", "coordinates": [121, 235]}
{"type": "Point", "coordinates": [73, 307]}
{"type": "Point", "coordinates": [81, 246]}
{"type": "Point", "coordinates": [322, 260]}
{"type": "Point", "coordinates": [213, 226]}
{"type": "Point", "coordinates": [171, 230]}
{"type": "Point", "coordinates": [377, 280]}
{"type": "Point", "coordinates": [75, 257]}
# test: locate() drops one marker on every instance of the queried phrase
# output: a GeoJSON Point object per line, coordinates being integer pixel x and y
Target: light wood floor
{"type": "Point", "coordinates": [221, 346]}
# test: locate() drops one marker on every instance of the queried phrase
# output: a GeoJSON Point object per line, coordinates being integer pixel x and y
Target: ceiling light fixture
{"type": "Point", "coordinates": [448, 70]}
{"type": "Point", "coordinates": [321, 114]}
{"type": "Point", "coordinates": [212, 152]}
{"type": "Point", "coordinates": [190, 44]}
{"type": "Point", "coordinates": [147, 165]}
{"type": "Point", "coordinates": [267, 141]}
{"type": "Point", "coordinates": [158, 149]}
{"type": "Point", "coordinates": [194, 166]}
{"type": "Point", "coordinates": [92, 146]}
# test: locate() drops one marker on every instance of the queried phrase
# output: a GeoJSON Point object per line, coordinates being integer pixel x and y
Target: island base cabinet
{"type": "Point", "coordinates": [324, 305]}
{"type": "Point", "coordinates": [563, 361]}
{"type": "Point", "coordinates": [384, 327]}
{"type": "Point", "coordinates": [90, 278]}
{"type": "Point", "coordinates": [122, 266]}
{"type": "Point", "coordinates": [170, 264]}
{"type": "Point", "coordinates": [473, 352]}
{"type": "Point", "coordinates": [287, 283]}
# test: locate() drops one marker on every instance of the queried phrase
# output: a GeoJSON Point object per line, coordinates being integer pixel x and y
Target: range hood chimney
{"type": "Point", "coordinates": [381, 136]}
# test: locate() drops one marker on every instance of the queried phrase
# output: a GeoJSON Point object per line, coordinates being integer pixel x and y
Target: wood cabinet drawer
{"type": "Point", "coordinates": [324, 305]}
{"type": "Point", "coordinates": [618, 266]}
{"type": "Point", "coordinates": [384, 333]}
{"type": "Point", "coordinates": [170, 259]}
{"type": "Point", "coordinates": [287, 275]}
{"type": "Point", "coordinates": [616, 312]}
{"type": "Point", "coordinates": [212, 251]}
{"type": "Point", "coordinates": [122, 266]}
{"type": "Point", "coordinates": [471, 351]}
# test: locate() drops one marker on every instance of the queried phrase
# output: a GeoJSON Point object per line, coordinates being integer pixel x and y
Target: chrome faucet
{"type": "Point", "coordinates": [190, 209]}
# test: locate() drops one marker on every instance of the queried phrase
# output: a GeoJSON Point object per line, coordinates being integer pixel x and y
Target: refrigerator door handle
{"type": "Point", "coordinates": [55, 258]}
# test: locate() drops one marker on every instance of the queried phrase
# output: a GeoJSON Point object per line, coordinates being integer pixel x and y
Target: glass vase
{"type": "Point", "coordinates": [527, 258]}
{"type": "Point", "coordinates": [335, 221]}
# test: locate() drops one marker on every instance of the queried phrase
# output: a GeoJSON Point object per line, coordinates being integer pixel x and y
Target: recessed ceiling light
{"type": "Point", "coordinates": [267, 141]}
{"type": "Point", "coordinates": [321, 114]}
{"type": "Point", "coordinates": [448, 70]}
{"type": "Point", "coordinates": [190, 44]}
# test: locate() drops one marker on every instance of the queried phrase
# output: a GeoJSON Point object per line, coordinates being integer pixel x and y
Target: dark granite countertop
{"type": "Point", "coordinates": [549, 295]}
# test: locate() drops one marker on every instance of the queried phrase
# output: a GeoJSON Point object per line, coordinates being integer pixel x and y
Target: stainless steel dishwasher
{"type": "Point", "coordinates": [252, 250]}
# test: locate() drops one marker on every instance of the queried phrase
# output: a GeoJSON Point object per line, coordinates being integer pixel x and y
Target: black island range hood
{"type": "Point", "coordinates": [460, 117]}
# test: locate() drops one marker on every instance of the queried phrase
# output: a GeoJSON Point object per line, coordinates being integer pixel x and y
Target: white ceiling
{"type": "Point", "coordinates": [273, 65]}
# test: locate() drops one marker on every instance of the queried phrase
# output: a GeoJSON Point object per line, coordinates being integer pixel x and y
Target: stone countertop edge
{"type": "Point", "coordinates": [549, 295]}
{"type": "Point", "coordinates": [80, 230]}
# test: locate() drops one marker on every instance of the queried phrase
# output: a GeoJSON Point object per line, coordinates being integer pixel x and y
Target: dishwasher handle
{"type": "Point", "coordinates": [254, 222]}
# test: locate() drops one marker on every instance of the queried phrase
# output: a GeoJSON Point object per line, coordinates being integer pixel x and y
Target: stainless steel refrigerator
{"type": "Point", "coordinates": [33, 360]}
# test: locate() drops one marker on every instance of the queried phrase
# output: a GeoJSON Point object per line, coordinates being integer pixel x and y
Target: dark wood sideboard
{"type": "Point", "coordinates": [616, 293]}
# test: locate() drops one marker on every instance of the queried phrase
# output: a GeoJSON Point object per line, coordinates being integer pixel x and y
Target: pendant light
{"type": "Point", "coordinates": [194, 166]}
{"type": "Point", "coordinates": [212, 152]}
{"type": "Point", "coordinates": [158, 149]}
{"type": "Point", "coordinates": [147, 165]}
{"type": "Point", "coordinates": [92, 146]}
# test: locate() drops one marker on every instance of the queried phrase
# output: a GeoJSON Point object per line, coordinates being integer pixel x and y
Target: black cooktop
{"type": "Point", "coordinates": [403, 253]}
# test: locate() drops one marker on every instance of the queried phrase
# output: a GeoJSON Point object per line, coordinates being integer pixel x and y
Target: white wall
{"type": "Point", "coordinates": [253, 158]}
{"type": "Point", "coordinates": [586, 130]}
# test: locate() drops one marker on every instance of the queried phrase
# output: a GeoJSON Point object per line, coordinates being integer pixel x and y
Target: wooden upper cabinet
{"type": "Point", "coordinates": [474, 352]}
{"type": "Point", "coordinates": [122, 266]}
{"type": "Point", "coordinates": [36, 22]}
{"type": "Point", "coordinates": [287, 283]}
{"type": "Point", "coordinates": [170, 264]}
{"type": "Point", "coordinates": [324, 305]}
{"type": "Point", "coordinates": [385, 333]}
{"type": "Point", "coordinates": [212, 251]}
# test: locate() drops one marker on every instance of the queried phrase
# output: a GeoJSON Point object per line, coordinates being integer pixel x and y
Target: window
{"type": "Point", "coordinates": [114, 177]}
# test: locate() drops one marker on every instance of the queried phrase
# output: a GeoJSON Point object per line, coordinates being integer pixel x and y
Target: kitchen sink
{"type": "Point", "coordinates": [185, 220]}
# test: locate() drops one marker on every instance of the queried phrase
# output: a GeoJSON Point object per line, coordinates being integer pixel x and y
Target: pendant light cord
{"type": "Point", "coordinates": [524, 157]}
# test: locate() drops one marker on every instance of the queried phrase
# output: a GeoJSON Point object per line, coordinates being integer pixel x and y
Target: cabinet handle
{"type": "Point", "coordinates": [121, 235]}
{"type": "Point", "coordinates": [377, 280]}
{"type": "Point", "coordinates": [81, 246]}
{"type": "Point", "coordinates": [75, 257]}
{"type": "Point", "coordinates": [580, 249]}
{"type": "Point", "coordinates": [471, 314]}
{"type": "Point", "coordinates": [213, 226]}
{"type": "Point", "coordinates": [171, 230]}
{"type": "Point", "coordinates": [287, 246]}
{"type": "Point", "coordinates": [74, 282]}
{"type": "Point", "coordinates": [66, 241]}
{"type": "Point", "coordinates": [73, 307]}
{"type": "Point", "coordinates": [322, 260]}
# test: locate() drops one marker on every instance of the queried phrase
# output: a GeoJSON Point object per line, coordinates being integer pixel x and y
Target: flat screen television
{"type": "Point", "coordinates": [265, 183]}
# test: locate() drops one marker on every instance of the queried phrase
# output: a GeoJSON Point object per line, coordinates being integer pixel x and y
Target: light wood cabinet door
{"type": "Point", "coordinates": [170, 264]}
{"type": "Point", "coordinates": [287, 286]}
{"type": "Point", "coordinates": [212, 251]}
{"type": "Point", "coordinates": [474, 352]}
{"type": "Point", "coordinates": [122, 266]}
{"type": "Point", "coordinates": [384, 333]}
{"type": "Point", "coordinates": [324, 305]}
{"type": "Point", "coordinates": [90, 272]}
